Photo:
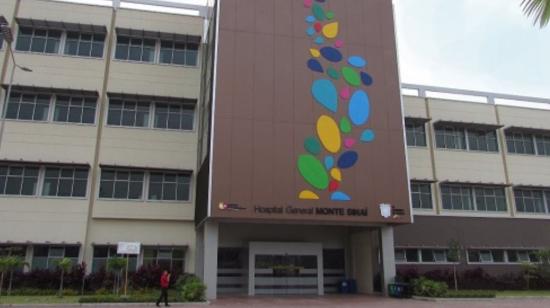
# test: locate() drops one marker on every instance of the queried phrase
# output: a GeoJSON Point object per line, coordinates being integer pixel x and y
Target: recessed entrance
{"type": "Point", "coordinates": [285, 268]}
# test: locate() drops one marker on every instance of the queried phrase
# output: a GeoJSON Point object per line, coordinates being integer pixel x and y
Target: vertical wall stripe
{"type": "Point", "coordinates": [436, 196]}
{"type": "Point", "coordinates": [504, 152]}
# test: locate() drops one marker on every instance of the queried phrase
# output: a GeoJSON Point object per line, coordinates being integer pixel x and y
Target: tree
{"type": "Point", "coordinates": [539, 9]}
{"type": "Point", "coordinates": [12, 264]}
{"type": "Point", "coordinates": [116, 265]}
{"type": "Point", "coordinates": [3, 270]}
{"type": "Point", "coordinates": [64, 265]}
{"type": "Point", "coordinates": [453, 255]}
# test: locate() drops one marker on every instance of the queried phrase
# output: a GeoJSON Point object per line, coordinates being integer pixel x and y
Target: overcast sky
{"type": "Point", "coordinates": [486, 45]}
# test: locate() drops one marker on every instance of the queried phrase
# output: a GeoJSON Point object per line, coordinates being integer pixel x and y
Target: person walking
{"type": "Point", "coordinates": [164, 284]}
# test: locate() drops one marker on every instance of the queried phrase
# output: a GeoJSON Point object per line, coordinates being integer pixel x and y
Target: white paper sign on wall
{"type": "Point", "coordinates": [385, 210]}
{"type": "Point", "coordinates": [128, 248]}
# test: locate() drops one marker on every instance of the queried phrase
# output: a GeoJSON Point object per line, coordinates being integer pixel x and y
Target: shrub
{"type": "Point", "coordinates": [471, 294]}
{"type": "Point", "coordinates": [429, 288]}
{"type": "Point", "coordinates": [190, 289]}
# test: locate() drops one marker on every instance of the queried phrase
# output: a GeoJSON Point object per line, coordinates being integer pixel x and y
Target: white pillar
{"type": "Point", "coordinates": [210, 257]}
{"type": "Point", "coordinates": [388, 257]}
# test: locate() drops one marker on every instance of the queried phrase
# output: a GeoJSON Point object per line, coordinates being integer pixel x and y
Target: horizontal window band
{"type": "Point", "coordinates": [284, 276]}
{"type": "Point", "coordinates": [43, 163]}
{"type": "Point", "coordinates": [417, 120]}
{"type": "Point", "coordinates": [50, 91]}
{"type": "Point", "coordinates": [158, 35]}
{"type": "Point", "coordinates": [527, 130]}
{"type": "Point", "coordinates": [467, 125]}
{"type": "Point", "coordinates": [282, 287]}
{"type": "Point", "coordinates": [152, 98]}
{"type": "Point", "coordinates": [144, 169]}
{"type": "Point", "coordinates": [61, 25]}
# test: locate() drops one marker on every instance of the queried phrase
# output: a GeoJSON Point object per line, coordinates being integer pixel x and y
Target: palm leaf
{"type": "Point", "coordinates": [539, 9]}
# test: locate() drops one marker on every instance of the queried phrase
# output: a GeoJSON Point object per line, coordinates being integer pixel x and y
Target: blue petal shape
{"type": "Point", "coordinates": [319, 40]}
{"type": "Point", "coordinates": [366, 78]}
{"type": "Point", "coordinates": [331, 54]}
{"type": "Point", "coordinates": [357, 61]}
{"type": "Point", "coordinates": [347, 160]}
{"type": "Point", "coordinates": [310, 31]}
{"type": "Point", "coordinates": [310, 19]}
{"type": "Point", "coordinates": [315, 66]}
{"type": "Point", "coordinates": [329, 162]}
{"type": "Point", "coordinates": [367, 136]}
{"type": "Point", "coordinates": [339, 196]}
{"type": "Point", "coordinates": [359, 108]}
{"type": "Point", "coordinates": [325, 93]}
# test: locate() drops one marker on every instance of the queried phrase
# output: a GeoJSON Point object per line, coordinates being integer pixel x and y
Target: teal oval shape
{"type": "Point", "coordinates": [312, 145]}
{"type": "Point", "coordinates": [357, 61]}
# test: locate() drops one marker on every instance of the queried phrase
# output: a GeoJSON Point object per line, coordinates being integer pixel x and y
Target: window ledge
{"type": "Point", "coordinates": [157, 64]}
{"type": "Point", "coordinates": [467, 151]}
{"type": "Point", "coordinates": [145, 201]}
{"type": "Point", "coordinates": [52, 122]}
{"type": "Point", "coordinates": [57, 55]}
{"type": "Point", "coordinates": [193, 131]}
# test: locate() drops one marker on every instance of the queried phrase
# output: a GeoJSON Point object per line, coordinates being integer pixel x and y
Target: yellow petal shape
{"type": "Point", "coordinates": [329, 134]}
{"type": "Point", "coordinates": [308, 195]}
{"type": "Point", "coordinates": [331, 30]}
{"type": "Point", "coordinates": [314, 53]}
{"type": "Point", "coordinates": [336, 174]}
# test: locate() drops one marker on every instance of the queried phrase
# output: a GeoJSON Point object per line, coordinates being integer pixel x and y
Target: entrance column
{"type": "Point", "coordinates": [210, 255]}
{"type": "Point", "coordinates": [388, 257]}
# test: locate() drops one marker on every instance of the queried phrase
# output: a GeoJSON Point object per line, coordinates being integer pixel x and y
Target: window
{"type": "Point", "coordinates": [75, 109]}
{"type": "Point", "coordinates": [128, 113]}
{"type": "Point", "coordinates": [231, 258]}
{"type": "Point", "coordinates": [520, 143]}
{"type": "Point", "coordinates": [457, 197]}
{"type": "Point", "coordinates": [135, 49]}
{"type": "Point", "coordinates": [334, 259]}
{"type": "Point", "coordinates": [102, 254]}
{"type": "Point", "coordinates": [421, 195]}
{"type": "Point", "coordinates": [416, 133]}
{"type": "Point", "coordinates": [174, 116]}
{"type": "Point", "coordinates": [18, 180]}
{"type": "Point", "coordinates": [45, 257]}
{"type": "Point", "coordinates": [486, 256]}
{"type": "Point", "coordinates": [65, 182]}
{"type": "Point", "coordinates": [490, 199]}
{"type": "Point", "coordinates": [543, 144]}
{"type": "Point", "coordinates": [169, 258]}
{"type": "Point", "coordinates": [169, 186]}
{"type": "Point", "coordinates": [38, 40]}
{"type": "Point", "coordinates": [434, 255]}
{"type": "Point", "coordinates": [28, 106]}
{"type": "Point", "coordinates": [521, 256]}
{"type": "Point", "coordinates": [178, 53]}
{"type": "Point", "coordinates": [121, 184]}
{"type": "Point", "coordinates": [13, 251]}
{"type": "Point", "coordinates": [530, 200]}
{"type": "Point", "coordinates": [482, 140]}
{"type": "Point", "coordinates": [450, 137]}
{"type": "Point", "coordinates": [409, 255]}
{"type": "Point", "coordinates": [84, 44]}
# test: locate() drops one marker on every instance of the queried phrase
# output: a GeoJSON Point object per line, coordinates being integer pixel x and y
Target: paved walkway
{"type": "Point", "coordinates": [334, 301]}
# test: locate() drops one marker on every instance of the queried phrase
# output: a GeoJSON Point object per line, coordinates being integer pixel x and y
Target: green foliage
{"type": "Point", "coordinates": [539, 9]}
{"type": "Point", "coordinates": [453, 254]}
{"type": "Point", "coordinates": [64, 264]}
{"type": "Point", "coordinates": [470, 294]}
{"type": "Point", "coordinates": [118, 299]}
{"type": "Point", "coordinates": [190, 289]}
{"type": "Point", "coordinates": [429, 288]}
{"type": "Point", "coordinates": [7, 266]}
{"type": "Point", "coordinates": [42, 292]}
{"type": "Point", "coordinates": [116, 264]}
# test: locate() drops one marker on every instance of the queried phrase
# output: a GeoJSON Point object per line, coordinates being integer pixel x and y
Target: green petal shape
{"type": "Point", "coordinates": [333, 73]}
{"type": "Point", "coordinates": [330, 15]}
{"type": "Point", "coordinates": [313, 171]}
{"type": "Point", "coordinates": [345, 125]}
{"type": "Point", "coordinates": [312, 145]}
{"type": "Point", "coordinates": [351, 76]}
{"type": "Point", "coordinates": [318, 12]}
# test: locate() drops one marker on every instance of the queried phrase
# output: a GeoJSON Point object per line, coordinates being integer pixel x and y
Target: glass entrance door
{"type": "Point", "coordinates": [285, 274]}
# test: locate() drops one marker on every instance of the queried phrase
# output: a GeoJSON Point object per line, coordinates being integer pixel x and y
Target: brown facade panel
{"type": "Point", "coordinates": [473, 232]}
{"type": "Point", "coordinates": [265, 110]}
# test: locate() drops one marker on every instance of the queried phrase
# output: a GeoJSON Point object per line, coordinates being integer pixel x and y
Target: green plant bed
{"type": "Point", "coordinates": [526, 293]}
{"type": "Point", "coordinates": [118, 299]}
{"type": "Point", "coordinates": [470, 294]}
{"type": "Point", "coordinates": [40, 292]}
{"type": "Point", "coordinates": [38, 300]}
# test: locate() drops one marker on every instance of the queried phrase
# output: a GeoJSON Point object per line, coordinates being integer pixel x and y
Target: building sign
{"type": "Point", "coordinates": [307, 121]}
{"type": "Point", "coordinates": [128, 248]}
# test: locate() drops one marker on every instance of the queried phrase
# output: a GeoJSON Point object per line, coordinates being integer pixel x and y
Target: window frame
{"type": "Point", "coordinates": [35, 104]}
{"type": "Point", "coordinates": [416, 129]}
{"type": "Point", "coordinates": [473, 196]}
{"type": "Point", "coordinates": [46, 39]}
{"type": "Point", "coordinates": [172, 259]}
{"type": "Point", "coordinates": [79, 41]}
{"type": "Point", "coordinates": [513, 138]}
{"type": "Point", "coordinates": [59, 178]}
{"type": "Point", "coordinates": [544, 198]}
{"type": "Point", "coordinates": [51, 258]}
{"type": "Point", "coordinates": [22, 177]}
{"type": "Point", "coordinates": [421, 194]}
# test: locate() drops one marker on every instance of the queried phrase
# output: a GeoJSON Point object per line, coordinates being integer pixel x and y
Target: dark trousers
{"type": "Point", "coordinates": [163, 294]}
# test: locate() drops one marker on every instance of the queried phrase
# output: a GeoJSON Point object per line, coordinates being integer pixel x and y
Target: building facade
{"type": "Point", "coordinates": [99, 141]}
{"type": "Point", "coordinates": [252, 144]}
{"type": "Point", "coordinates": [479, 175]}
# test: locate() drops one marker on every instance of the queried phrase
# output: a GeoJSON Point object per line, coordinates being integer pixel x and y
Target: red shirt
{"type": "Point", "coordinates": [165, 281]}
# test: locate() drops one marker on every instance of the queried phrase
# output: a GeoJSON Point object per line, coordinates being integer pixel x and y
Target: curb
{"type": "Point", "coordinates": [476, 299]}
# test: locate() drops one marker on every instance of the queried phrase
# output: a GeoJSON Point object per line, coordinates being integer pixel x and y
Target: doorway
{"type": "Point", "coordinates": [285, 268]}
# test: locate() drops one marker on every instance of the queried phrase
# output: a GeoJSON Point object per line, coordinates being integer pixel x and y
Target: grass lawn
{"type": "Point", "coordinates": [39, 300]}
{"type": "Point", "coordinates": [524, 293]}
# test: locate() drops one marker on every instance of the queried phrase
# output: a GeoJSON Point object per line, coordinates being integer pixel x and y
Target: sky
{"type": "Point", "coordinates": [483, 45]}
